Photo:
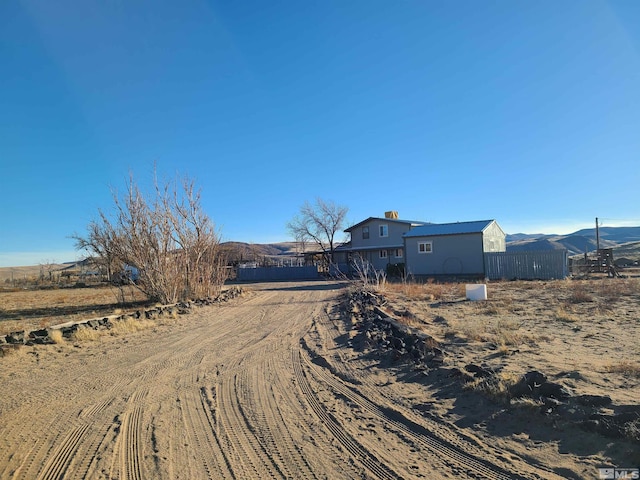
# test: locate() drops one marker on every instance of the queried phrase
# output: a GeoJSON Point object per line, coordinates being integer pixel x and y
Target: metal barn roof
{"type": "Point", "coordinates": [458, 228]}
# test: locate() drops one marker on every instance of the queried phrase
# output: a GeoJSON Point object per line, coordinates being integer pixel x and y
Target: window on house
{"type": "Point", "coordinates": [399, 253]}
{"type": "Point", "coordinates": [425, 247]}
{"type": "Point", "coordinates": [384, 230]}
{"type": "Point", "coordinates": [365, 233]}
{"type": "Point", "coordinates": [383, 254]}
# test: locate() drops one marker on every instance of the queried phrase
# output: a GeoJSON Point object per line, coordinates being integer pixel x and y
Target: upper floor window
{"type": "Point", "coordinates": [384, 230]}
{"type": "Point", "coordinates": [425, 247]}
{"type": "Point", "coordinates": [365, 233]}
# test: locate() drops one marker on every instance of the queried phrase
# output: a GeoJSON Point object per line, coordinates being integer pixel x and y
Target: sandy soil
{"type": "Point", "coordinates": [266, 386]}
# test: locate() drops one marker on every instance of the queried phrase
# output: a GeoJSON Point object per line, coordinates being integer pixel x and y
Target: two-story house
{"type": "Point", "coordinates": [425, 249]}
{"type": "Point", "coordinates": [377, 240]}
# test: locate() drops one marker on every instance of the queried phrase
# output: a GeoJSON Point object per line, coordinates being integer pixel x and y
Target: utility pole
{"type": "Point", "coordinates": [597, 235]}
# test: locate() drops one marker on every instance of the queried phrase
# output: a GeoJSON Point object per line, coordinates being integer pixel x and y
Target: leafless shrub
{"type": "Point", "coordinates": [168, 238]}
{"type": "Point", "coordinates": [367, 274]}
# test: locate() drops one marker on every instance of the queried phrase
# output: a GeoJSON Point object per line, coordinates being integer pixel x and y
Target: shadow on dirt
{"type": "Point", "coordinates": [301, 287]}
{"type": "Point", "coordinates": [63, 311]}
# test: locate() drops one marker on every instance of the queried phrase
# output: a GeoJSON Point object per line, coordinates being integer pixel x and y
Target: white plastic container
{"type": "Point", "coordinates": [476, 292]}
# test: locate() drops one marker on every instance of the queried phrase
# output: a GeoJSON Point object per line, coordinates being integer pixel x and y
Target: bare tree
{"type": "Point", "coordinates": [319, 223]}
{"type": "Point", "coordinates": [99, 244]}
{"type": "Point", "coordinates": [47, 268]}
{"type": "Point", "coordinates": [169, 239]}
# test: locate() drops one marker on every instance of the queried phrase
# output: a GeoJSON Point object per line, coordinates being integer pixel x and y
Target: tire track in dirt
{"type": "Point", "coordinates": [61, 458]}
{"type": "Point", "coordinates": [131, 466]}
{"type": "Point", "coordinates": [200, 433]}
{"type": "Point", "coordinates": [246, 453]}
{"type": "Point", "coordinates": [416, 433]}
{"type": "Point", "coordinates": [227, 392]}
{"type": "Point", "coordinates": [266, 421]}
{"type": "Point", "coordinates": [209, 407]}
{"type": "Point", "coordinates": [52, 454]}
{"type": "Point", "coordinates": [96, 408]}
{"type": "Point", "coordinates": [425, 432]}
{"type": "Point", "coordinates": [127, 450]}
{"type": "Point", "coordinates": [368, 460]}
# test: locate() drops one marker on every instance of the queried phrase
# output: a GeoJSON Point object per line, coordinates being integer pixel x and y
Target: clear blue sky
{"type": "Point", "coordinates": [526, 112]}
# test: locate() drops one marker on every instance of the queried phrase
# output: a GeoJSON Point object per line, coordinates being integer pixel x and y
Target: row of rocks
{"type": "Point", "coordinates": [378, 330]}
{"type": "Point", "coordinates": [42, 336]}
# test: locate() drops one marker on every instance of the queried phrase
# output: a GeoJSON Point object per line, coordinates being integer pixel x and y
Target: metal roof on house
{"type": "Point", "coordinates": [386, 220]}
{"type": "Point", "coordinates": [349, 248]}
{"type": "Point", "coordinates": [458, 228]}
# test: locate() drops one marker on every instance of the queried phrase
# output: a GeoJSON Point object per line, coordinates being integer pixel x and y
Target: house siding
{"type": "Point", "coordinates": [369, 248]}
{"type": "Point", "coordinates": [451, 255]}
{"type": "Point", "coordinates": [392, 240]}
{"type": "Point", "coordinates": [373, 257]}
{"type": "Point", "coordinates": [494, 239]}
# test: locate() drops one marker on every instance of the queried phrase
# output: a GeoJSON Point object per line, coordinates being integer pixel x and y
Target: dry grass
{"type": "Point", "coordinates": [429, 291]}
{"type": "Point", "coordinates": [580, 295]}
{"type": "Point", "coordinates": [56, 336]}
{"type": "Point", "coordinates": [563, 314]}
{"type": "Point", "coordinates": [632, 430]}
{"type": "Point", "coordinates": [568, 328]}
{"type": "Point", "coordinates": [130, 325]}
{"type": "Point", "coordinates": [12, 326]}
{"type": "Point", "coordinates": [503, 349]}
{"type": "Point", "coordinates": [625, 367]}
{"type": "Point", "coordinates": [86, 334]}
{"type": "Point", "coordinates": [118, 328]}
{"type": "Point", "coordinates": [473, 329]}
{"type": "Point", "coordinates": [501, 331]}
{"type": "Point", "coordinates": [35, 309]}
{"type": "Point", "coordinates": [526, 403]}
{"type": "Point", "coordinates": [497, 387]}
{"type": "Point", "coordinates": [517, 312]}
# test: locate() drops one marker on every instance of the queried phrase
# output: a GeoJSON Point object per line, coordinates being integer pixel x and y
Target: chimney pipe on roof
{"type": "Point", "coordinates": [391, 214]}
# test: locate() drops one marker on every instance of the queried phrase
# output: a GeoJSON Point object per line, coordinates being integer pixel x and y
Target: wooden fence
{"type": "Point", "coordinates": [537, 265]}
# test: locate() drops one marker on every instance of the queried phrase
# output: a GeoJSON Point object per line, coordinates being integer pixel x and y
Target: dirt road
{"type": "Point", "coordinates": [252, 389]}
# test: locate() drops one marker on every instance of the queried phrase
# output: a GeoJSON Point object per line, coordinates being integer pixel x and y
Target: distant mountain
{"type": "Point", "coordinates": [239, 252]}
{"type": "Point", "coordinates": [514, 237]}
{"type": "Point", "coordinates": [615, 234]}
{"type": "Point", "coordinates": [576, 243]}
